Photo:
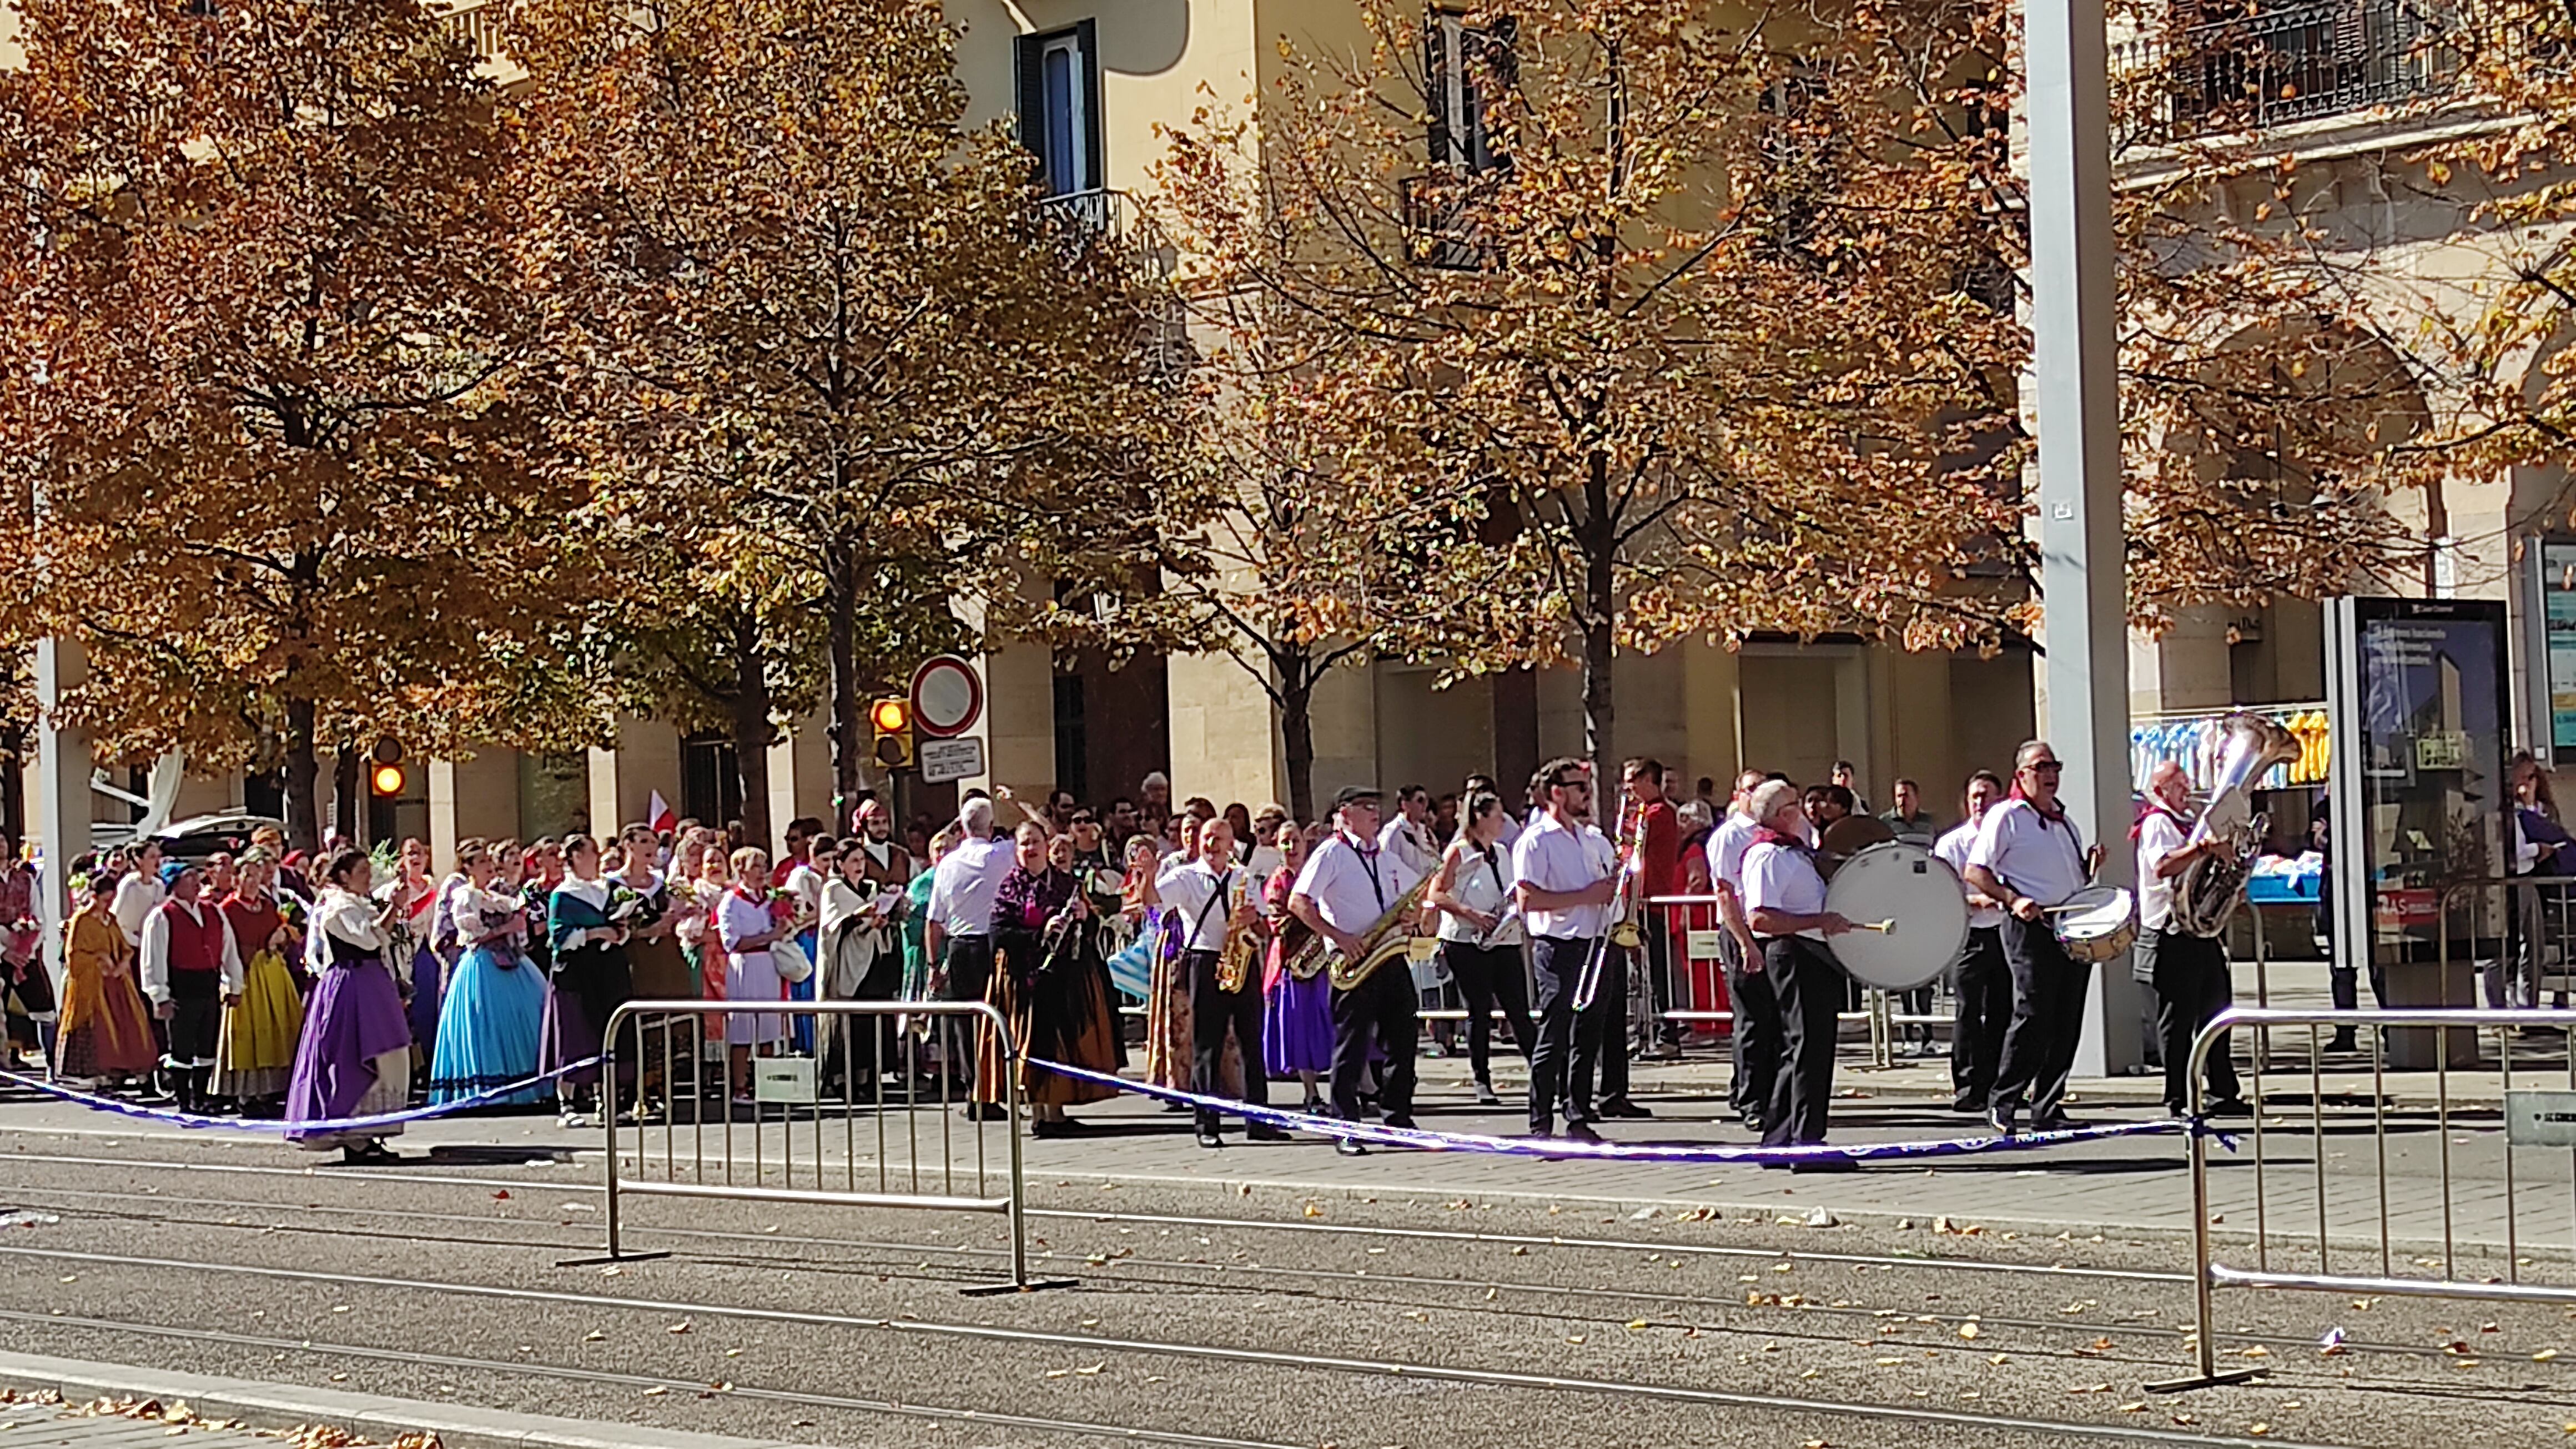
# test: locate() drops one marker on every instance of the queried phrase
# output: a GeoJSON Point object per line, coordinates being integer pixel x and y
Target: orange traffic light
{"type": "Point", "coordinates": [892, 719]}
{"type": "Point", "coordinates": [387, 780]}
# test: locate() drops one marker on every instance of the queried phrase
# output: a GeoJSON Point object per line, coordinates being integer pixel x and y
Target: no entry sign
{"type": "Point", "coordinates": [947, 697]}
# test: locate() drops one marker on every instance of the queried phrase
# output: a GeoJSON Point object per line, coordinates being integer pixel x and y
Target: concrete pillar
{"type": "Point", "coordinates": [1712, 705]}
{"type": "Point", "coordinates": [1018, 727]}
{"type": "Point", "coordinates": [1654, 711]}
{"type": "Point", "coordinates": [642, 759]}
{"type": "Point", "coordinates": [1345, 715]}
{"type": "Point", "coordinates": [476, 799]}
{"type": "Point", "coordinates": [1225, 737]}
{"type": "Point", "coordinates": [62, 804]}
{"type": "Point", "coordinates": [1915, 711]}
{"type": "Point", "coordinates": [800, 778]}
{"type": "Point", "coordinates": [2075, 372]}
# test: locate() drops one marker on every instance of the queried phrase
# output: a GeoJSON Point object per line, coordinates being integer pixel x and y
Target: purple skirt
{"type": "Point", "coordinates": [354, 1017]}
{"type": "Point", "coordinates": [568, 1036]}
{"type": "Point", "coordinates": [1297, 1026]}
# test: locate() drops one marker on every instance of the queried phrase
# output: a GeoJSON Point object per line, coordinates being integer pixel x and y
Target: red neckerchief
{"type": "Point", "coordinates": [1765, 835]}
{"type": "Point", "coordinates": [2156, 807]}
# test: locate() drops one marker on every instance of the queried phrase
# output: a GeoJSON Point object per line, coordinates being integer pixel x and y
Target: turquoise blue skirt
{"type": "Point", "coordinates": [488, 1028]}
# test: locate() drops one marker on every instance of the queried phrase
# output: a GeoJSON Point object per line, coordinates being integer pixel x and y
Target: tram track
{"type": "Point", "coordinates": [1092, 1343]}
{"type": "Point", "coordinates": [1127, 1272]}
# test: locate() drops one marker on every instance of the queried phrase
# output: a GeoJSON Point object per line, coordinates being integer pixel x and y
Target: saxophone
{"type": "Point", "coordinates": [1234, 963]}
{"type": "Point", "coordinates": [1389, 936]}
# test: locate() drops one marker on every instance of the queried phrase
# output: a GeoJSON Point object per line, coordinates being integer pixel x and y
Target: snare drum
{"type": "Point", "coordinates": [2096, 923]}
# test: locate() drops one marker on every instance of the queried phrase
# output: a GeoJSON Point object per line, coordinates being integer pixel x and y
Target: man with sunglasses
{"type": "Point", "coordinates": [1348, 883]}
{"type": "Point", "coordinates": [2028, 857]}
{"type": "Point", "coordinates": [1565, 872]}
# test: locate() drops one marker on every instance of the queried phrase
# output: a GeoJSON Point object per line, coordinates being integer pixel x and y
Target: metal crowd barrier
{"type": "Point", "coordinates": [824, 1127]}
{"type": "Point", "coordinates": [2497, 1158]}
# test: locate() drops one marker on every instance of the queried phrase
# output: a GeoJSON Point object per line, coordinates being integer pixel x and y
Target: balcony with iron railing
{"type": "Point", "coordinates": [1443, 224]}
{"type": "Point", "coordinates": [1080, 219]}
{"type": "Point", "coordinates": [2243, 66]}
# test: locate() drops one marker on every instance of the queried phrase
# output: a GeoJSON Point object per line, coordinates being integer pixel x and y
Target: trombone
{"type": "Point", "coordinates": [1621, 932]}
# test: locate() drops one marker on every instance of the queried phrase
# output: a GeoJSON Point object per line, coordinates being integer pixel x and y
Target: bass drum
{"type": "Point", "coordinates": [1918, 893]}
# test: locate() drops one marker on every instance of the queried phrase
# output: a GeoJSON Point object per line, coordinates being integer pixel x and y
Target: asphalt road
{"type": "Point", "coordinates": [1271, 1324]}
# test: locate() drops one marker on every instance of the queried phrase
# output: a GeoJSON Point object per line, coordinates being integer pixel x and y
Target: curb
{"type": "Point", "coordinates": [268, 1405]}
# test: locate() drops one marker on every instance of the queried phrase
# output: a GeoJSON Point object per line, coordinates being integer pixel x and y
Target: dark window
{"type": "Point", "coordinates": [710, 780]}
{"type": "Point", "coordinates": [1059, 82]}
{"type": "Point", "coordinates": [1466, 71]}
{"type": "Point", "coordinates": [1072, 743]}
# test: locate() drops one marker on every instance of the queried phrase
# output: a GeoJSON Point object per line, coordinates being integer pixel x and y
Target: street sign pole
{"type": "Point", "coordinates": [2075, 361]}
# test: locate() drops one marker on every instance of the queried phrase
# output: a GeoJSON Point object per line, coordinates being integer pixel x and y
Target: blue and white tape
{"type": "Point", "coordinates": [98, 1103]}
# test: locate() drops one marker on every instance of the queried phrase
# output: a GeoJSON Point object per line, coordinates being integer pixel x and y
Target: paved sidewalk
{"type": "Point", "coordinates": [263, 1404]}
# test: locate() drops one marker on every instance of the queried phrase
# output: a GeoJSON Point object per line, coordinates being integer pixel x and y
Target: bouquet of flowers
{"type": "Point", "coordinates": [786, 957]}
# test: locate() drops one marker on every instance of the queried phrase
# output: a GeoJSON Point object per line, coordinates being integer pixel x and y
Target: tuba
{"type": "Point", "coordinates": [2206, 893]}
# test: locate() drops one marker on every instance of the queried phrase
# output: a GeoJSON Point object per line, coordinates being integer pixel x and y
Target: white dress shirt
{"type": "Point", "coordinates": [1351, 886]}
{"type": "Point", "coordinates": [1556, 857]}
{"type": "Point", "coordinates": [1781, 878]}
{"type": "Point", "coordinates": [1411, 844]}
{"type": "Point", "coordinates": [1487, 890]}
{"type": "Point", "coordinates": [1953, 848]}
{"type": "Point", "coordinates": [961, 890]}
{"type": "Point", "coordinates": [2038, 859]}
{"type": "Point", "coordinates": [1200, 896]}
{"type": "Point", "coordinates": [2158, 837]}
{"type": "Point", "coordinates": [1726, 846]}
{"type": "Point", "coordinates": [155, 970]}
{"type": "Point", "coordinates": [135, 897]}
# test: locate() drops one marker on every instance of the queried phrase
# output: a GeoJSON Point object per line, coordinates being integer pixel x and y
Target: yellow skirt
{"type": "Point", "coordinates": [257, 1052]}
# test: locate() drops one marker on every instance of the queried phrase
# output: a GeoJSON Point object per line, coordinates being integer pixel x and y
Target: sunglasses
{"type": "Point", "coordinates": [2044, 767]}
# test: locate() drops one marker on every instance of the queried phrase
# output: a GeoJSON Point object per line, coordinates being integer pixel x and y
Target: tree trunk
{"type": "Point", "coordinates": [13, 783]}
{"type": "Point", "coordinates": [1297, 731]}
{"type": "Point", "coordinates": [751, 730]}
{"type": "Point", "coordinates": [1599, 542]}
{"type": "Point", "coordinates": [348, 785]}
{"type": "Point", "coordinates": [300, 781]}
{"type": "Point", "coordinates": [850, 735]}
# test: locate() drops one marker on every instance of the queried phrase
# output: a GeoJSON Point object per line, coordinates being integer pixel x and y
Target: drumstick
{"type": "Point", "coordinates": [1882, 927]}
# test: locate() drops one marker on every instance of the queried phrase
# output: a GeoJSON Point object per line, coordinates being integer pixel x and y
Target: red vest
{"type": "Point", "coordinates": [196, 945]}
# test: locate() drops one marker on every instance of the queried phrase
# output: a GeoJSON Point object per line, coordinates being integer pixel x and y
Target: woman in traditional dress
{"type": "Point", "coordinates": [1170, 1058]}
{"type": "Point", "coordinates": [916, 921]}
{"type": "Point", "coordinates": [355, 1056]}
{"type": "Point", "coordinates": [416, 896]}
{"type": "Point", "coordinates": [540, 871]}
{"type": "Point", "coordinates": [106, 1031]}
{"type": "Point", "coordinates": [489, 1026]}
{"type": "Point", "coordinates": [657, 970]}
{"type": "Point", "coordinates": [591, 979]}
{"type": "Point", "coordinates": [1051, 985]}
{"type": "Point", "coordinates": [255, 1055]}
{"type": "Point", "coordinates": [746, 928]}
{"type": "Point", "coordinates": [1296, 1015]}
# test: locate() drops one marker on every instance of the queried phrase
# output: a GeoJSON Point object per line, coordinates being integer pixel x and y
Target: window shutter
{"type": "Point", "coordinates": [1030, 76]}
{"type": "Point", "coordinates": [1095, 158]}
{"type": "Point", "coordinates": [1435, 84]}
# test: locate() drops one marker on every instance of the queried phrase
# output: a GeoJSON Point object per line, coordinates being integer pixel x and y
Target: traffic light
{"type": "Point", "coordinates": [385, 777]}
{"type": "Point", "coordinates": [892, 721]}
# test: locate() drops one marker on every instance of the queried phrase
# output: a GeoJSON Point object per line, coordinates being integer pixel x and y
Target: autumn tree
{"type": "Point", "coordinates": [1623, 326]}
{"type": "Point", "coordinates": [263, 342]}
{"type": "Point", "coordinates": [833, 328]}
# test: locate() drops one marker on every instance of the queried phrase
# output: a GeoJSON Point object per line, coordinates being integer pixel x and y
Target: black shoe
{"type": "Point", "coordinates": [2004, 1122]}
{"type": "Point", "coordinates": [1485, 1095]}
{"type": "Point", "coordinates": [1403, 1120]}
{"type": "Point", "coordinates": [1968, 1106]}
{"type": "Point", "coordinates": [1538, 1134]}
{"type": "Point", "coordinates": [1622, 1107]}
{"type": "Point", "coordinates": [1350, 1147]}
{"type": "Point", "coordinates": [2343, 1041]}
{"type": "Point", "coordinates": [2055, 1122]}
{"type": "Point", "coordinates": [2229, 1107]}
{"type": "Point", "coordinates": [1581, 1132]}
{"type": "Point", "coordinates": [1264, 1132]}
{"type": "Point", "coordinates": [1210, 1139]}
{"type": "Point", "coordinates": [987, 1112]}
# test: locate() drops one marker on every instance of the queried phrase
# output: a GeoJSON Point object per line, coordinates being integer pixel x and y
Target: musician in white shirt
{"type": "Point", "coordinates": [1348, 883]}
{"type": "Point", "coordinates": [1784, 903]}
{"type": "Point", "coordinates": [1213, 898]}
{"type": "Point", "coordinates": [2029, 857]}
{"type": "Point", "coordinates": [1480, 933]}
{"type": "Point", "coordinates": [1566, 873]}
{"type": "Point", "coordinates": [957, 933]}
{"type": "Point", "coordinates": [1754, 1041]}
{"type": "Point", "coordinates": [2189, 972]}
{"type": "Point", "coordinates": [1409, 834]}
{"type": "Point", "coordinates": [1981, 982]}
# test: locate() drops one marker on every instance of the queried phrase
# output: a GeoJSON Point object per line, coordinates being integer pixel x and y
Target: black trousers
{"type": "Point", "coordinates": [1484, 978]}
{"type": "Point", "coordinates": [1755, 1041]}
{"type": "Point", "coordinates": [2192, 985]}
{"type": "Point", "coordinates": [1605, 1025]}
{"type": "Point", "coordinates": [1810, 988]}
{"type": "Point", "coordinates": [196, 1017]}
{"type": "Point", "coordinates": [1985, 993]}
{"type": "Point", "coordinates": [1658, 946]}
{"type": "Point", "coordinates": [1568, 1052]}
{"type": "Point", "coordinates": [969, 960]}
{"type": "Point", "coordinates": [1212, 1011]}
{"type": "Point", "coordinates": [1383, 1011]}
{"type": "Point", "coordinates": [2048, 989]}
